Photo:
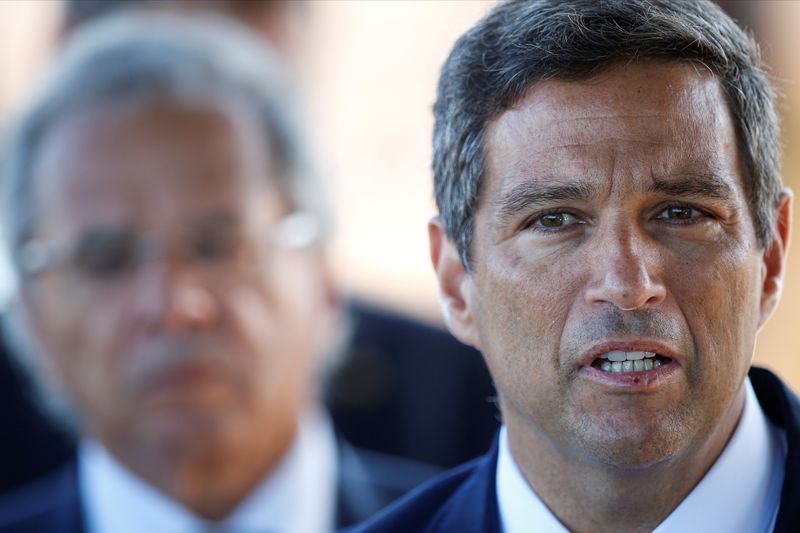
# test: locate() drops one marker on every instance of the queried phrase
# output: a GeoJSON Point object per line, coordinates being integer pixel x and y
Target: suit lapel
{"type": "Point", "coordinates": [473, 507]}
{"type": "Point", "coordinates": [783, 408]}
{"type": "Point", "coordinates": [49, 505]}
{"type": "Point", "coordinates": [357, 495]}
{"type": "Point", "coordinates": [369, 481]}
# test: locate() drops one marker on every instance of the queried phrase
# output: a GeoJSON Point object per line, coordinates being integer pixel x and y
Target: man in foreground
{"type": "Point", "coordinates": [611, 235]}
{"type": "Point", "coordinates": [168, 237]}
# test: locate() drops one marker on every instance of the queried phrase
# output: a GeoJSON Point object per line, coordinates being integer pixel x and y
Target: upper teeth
{"type": "Point", "coordinates": [619, 355]}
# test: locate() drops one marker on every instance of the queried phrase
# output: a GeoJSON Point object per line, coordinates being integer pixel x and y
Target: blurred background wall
{"type": "Point", "coordinates": [369, 71]}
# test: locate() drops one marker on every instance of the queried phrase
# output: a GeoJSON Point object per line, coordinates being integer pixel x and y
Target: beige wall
{"type": "Point", "coordinates": [370, 74]}
{"type": "Point", "coordinates": [372, 71]}
{"type": "Point", "coordinates": [27, 29]}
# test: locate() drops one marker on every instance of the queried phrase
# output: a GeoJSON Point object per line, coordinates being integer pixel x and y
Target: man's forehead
{"type": "Point", "coordinates": [130, 122]}
{"type": "Point", "coordinates": [634, 127]}
{"type": "Point", "coordinates": [649, 90]}
{"type": "Point", "coordinates": [144, 133]}
{"type": "Point", "coordinates": [619, 105]}
{"type": "Point", "coordinates": [148, 155]}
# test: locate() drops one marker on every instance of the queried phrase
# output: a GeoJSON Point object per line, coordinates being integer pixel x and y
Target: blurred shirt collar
{"type": "Point", "coordinates": [740, 493]}
{"type": "Point", "coordinates": [299, 495]}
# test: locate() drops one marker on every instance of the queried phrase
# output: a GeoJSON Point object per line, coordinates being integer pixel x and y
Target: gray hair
{"type": "Point", "coordinates": [143, 55]}
{"type": "Point", "coordinates": [520, 42]}
{"type": "Point", "coordinates": [152, 55]}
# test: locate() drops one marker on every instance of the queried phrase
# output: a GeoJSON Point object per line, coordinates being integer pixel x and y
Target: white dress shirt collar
{"type": "Point", "coordinates": [740, 493]}
{"type": "Point", "coordinates": [299, 495]}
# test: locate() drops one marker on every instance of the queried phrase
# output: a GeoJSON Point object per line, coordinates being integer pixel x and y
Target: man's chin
{"type": "Point", "coordinates": [634, 450]}
{"type": "Point", "coordinates": [629, 455]}
{"type": "Point", "coordinates": [210, 395]}
{"type": "Point", "coordinates": [632, 443]}
{"type": "Point", "coordinates": [188, 420]}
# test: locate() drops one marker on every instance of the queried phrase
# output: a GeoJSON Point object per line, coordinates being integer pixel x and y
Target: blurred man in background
{"type": "Point", "coordinates": [399, 386]}
{"type": "Point", "coordinates": [173, 298]}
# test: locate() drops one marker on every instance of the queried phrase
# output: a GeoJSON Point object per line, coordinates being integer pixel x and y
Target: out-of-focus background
{"type": "Point", "coordinates": [369, 69]}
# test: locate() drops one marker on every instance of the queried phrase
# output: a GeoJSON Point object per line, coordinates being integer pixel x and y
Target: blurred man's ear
{"type": "Point", "coordinates": [455, 285]}
{"type": "Point", "coordinates": [774, 258]}
{"type": "Point", "coordinates": [332, 300]}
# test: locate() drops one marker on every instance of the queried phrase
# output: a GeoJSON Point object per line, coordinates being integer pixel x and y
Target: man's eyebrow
{"type": "Point", "coordinates": [532, 194]}
{"type": "Point", "coordinates": [687, 185]}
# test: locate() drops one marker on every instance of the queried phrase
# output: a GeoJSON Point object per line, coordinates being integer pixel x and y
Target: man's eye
{"type": "Point", "coordinates": [106, 254]}
{"type": "Point", "coordinates": [215, 246]}
{"type": "Point", "coordinates": [679, 213]}
{"type": "Point", "coordinates": [556, 220]}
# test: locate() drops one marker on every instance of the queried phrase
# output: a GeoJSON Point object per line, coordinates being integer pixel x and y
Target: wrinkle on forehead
{"type": "Point", "coordinates": [606, 116]}
{"type": "Point", "coordinates": [612, 141]}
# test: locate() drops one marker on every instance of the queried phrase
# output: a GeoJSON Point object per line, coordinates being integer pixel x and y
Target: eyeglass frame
{"type": "Point", "coordinates": [297, 230]}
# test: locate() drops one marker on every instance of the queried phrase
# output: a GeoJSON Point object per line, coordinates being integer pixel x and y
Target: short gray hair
{"type": "Point", "coordinates": [520, 42]}
{"type": "Point", "coordinates": [151, 55]}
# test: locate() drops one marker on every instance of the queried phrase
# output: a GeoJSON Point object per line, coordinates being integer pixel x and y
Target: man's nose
{"type": "Point", "coordinates": [174, 297]}
{"type": "Point", "coordinates": [625, 270]}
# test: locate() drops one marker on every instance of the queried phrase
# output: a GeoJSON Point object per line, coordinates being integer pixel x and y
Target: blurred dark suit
{"type": "Point", "coordinates": [410, 389]}
{"type": "Point", "coordinates": [31, 446]}
{"type": "Point", "coordinates": [367, 482]}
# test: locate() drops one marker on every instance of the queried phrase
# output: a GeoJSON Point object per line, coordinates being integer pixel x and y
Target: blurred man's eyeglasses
{"type": "Point", "coordinates": [113, 253]}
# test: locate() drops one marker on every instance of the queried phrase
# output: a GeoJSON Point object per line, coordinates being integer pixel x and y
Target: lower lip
{"type": "Point", "coordinates": [646, 379]}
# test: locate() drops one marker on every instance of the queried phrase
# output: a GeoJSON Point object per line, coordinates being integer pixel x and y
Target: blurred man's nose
{"type": "Point", "coordinates": [171, 294]}
{"type": "Point", "coordinates": [625, 269]}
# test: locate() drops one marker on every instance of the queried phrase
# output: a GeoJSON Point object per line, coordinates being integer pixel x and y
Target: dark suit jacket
{"type": "Point", "coordinates": [31, 446]}
{"type": "Point", "coordinates": [464, 500]}
{"type": "Point", "coordinates": [367, 483]}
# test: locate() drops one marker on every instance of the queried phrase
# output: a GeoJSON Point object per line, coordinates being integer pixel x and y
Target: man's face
{"type": "Point", "coordinates": [613, 222]}
{"type": "Point", "coordinates": [209, 339]}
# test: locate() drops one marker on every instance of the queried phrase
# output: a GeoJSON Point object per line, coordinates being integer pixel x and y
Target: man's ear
{"type": "Point", "coordinates": [330, 310]}
{"type": "Point", "coordinates": [774, 257]}
{"type": "Point", "coordinates": [455, 285]}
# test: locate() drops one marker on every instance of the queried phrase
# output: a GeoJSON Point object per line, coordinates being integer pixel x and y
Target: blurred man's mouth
{"type": "Point", "coordinates": [183, 375]}
{"type": "Point", "coordinates": [178, 365]}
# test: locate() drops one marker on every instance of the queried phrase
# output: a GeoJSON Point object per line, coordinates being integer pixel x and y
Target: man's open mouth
{"type": "Point", "coordinates": [618, 361]}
